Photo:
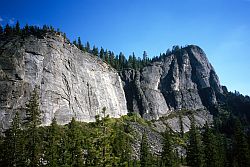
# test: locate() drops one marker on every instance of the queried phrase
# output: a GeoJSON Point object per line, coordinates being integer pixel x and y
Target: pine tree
{"type": "Point", "coordinates": [106, 56]}
{"type": "Point", "coordinates": [75, 43]}
{"type": "Point", "coordinates": [26, 30]}
{"type": "Point", "coordinates": [1, 29]}
{"type": "Point", "coordinates": [211, 156]}
{"type": "Point", "coordinates": [130, 62]}
{"type": "Point", "coordinates": [17, 28]}
{"type": "Point", "coordinates": [167, 155]}
{"type": "Point", "coordinates": [116, 63]}
{"type": "Point", "coordinates": [134, 61]}
{"type": "Point", "coordinates": [99, 147]}
{"type": "Point", "coordinates": [221, 145]}
{"type": "Point", "coordinates": [45, 28]}
{"type": "Point", "coordinates": [168, 52]}
{"type": "Point", "coordinates": [33, 113]}
{"type": "Point", "coordinates": [87, 47]}
{"type": "Point", "coordinates": [145, 55]}
{"type": "Point", "coordinates": [175, 48]}
{"type": "Point", "coordinates": [102, 53]}
{"type": "Point", "coordinates": [8, 30]}
{"type": "Point", "coordinates": [33, 138]}
{"type": "Point", "coordinates": [105, 140]}
{"type": "Point", "coordinates": [79, 45]}
{"type": "Point", "coordinates": [194, 147]}
{"type": "Point", "coordinates": [64, 37]}
{"type": "Point", "coordinates": [145, 157]}
{"type": "Point", "coordinates": [75, 144]}
{"type": "Point", "coordinates": [122, 61]}
{"type": "Point", "coordinates": [52, 145]}
{"type": "Point", "coordinates": [121, 146]}
{"type": "Point", "coordinates": [139, 63]}
{"type": "Point", "coordinates": [95, 51]}
{"type": "Point", "coordinates": [240, 146]}
{"type": "Point", "coordinates": [94, 147]}
{"type": "Point", "coordinates": [51, 29]}
{"type": "Point", "coordinates": [13, 144]}
{"type": "Point", "coordinates": [63, 149]}
{"type": "Point", "coordinates": [112, 58]}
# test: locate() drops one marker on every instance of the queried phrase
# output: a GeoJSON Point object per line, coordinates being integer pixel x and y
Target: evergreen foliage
{"type": "Point", "coordinates": [32, 135]}
{"type": "Point", "coordinates": [145, 157]}
{"type": "Point", "coordinates": [167, 155]}
{"type": "Point", "coordinates": [194, 147]}
{"type": "Point", "coordinates": [120, 145]}
{"type": "Point", "coordinates": [29, 30]}
{"type": "Point", "coordinates": [107, 142]}
{"type": "Point", "coordinates": [118, 62]}
{"type": "Point", "coordinates": [95, 51]}
{"type": "Point", "coordinates": [240, 146]}
{"type": "Point", "coordinates": [87, 47]}
{"type": "Point", "coordinates": [79, 45]}
{"type": "Point", "coordinates": [75, 143]}
{"type": "Point", "coordinates": [8, 30]}
{"type": "Point", "coordinates": [13, 144]}
{"type": "Point", "coordinates": [17, 28]}
{"type": "Point", "coordinates": [221, 144]}
{"type": "Point", "coordinates": [211, 156]}
{"type": "Point", "coordinates": [1, 29]}
{"type": "Point", "coordinates": [52, 144]}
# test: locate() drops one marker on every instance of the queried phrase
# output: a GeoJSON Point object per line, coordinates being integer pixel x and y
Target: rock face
{"type": "Point", "coordinates": [71, 83]}
{"type": "Point", "coordinates": [182, 80]}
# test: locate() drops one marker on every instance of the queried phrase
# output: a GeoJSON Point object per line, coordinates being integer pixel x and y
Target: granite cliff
{"type": "Point", "coordinates": [71, 83]}
{"type": "Point", "coordinates": [182, 80]}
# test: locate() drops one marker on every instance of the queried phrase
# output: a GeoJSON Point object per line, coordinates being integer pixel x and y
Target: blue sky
{"type": "Point", "coordinates": [220, 27]}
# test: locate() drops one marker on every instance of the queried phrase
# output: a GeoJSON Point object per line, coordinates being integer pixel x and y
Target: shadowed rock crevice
{"type": "Point", "coordinates": [186, 80]}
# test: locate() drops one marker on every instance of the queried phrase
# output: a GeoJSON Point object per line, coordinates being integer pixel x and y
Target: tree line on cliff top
{"type": "Point", "coordinates": [117, 61]}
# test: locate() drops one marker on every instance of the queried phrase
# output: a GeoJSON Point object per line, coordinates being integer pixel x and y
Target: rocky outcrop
{"type": "Point", "coordinates": [182, 80]}
{"type": "Point", "coordinates": [71, 83]}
